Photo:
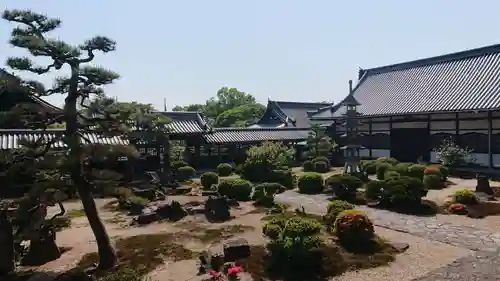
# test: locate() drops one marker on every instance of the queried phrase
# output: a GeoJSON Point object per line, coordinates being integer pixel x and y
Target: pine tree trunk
{"type": "Point", "coordinates": [107, 255]}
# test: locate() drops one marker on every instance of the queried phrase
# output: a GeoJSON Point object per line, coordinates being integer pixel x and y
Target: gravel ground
{"type": "Point", "coordinates": [422, 257]}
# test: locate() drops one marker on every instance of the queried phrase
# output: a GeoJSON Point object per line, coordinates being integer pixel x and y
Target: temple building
{"type": "Point", "coordinates": [408, 109]}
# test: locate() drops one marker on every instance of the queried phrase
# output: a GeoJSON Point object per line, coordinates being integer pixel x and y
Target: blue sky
{"type": "Point", "coordinates": [284, 49]}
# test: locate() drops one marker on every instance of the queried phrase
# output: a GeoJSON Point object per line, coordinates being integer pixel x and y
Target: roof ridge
{"type": "Point", "coordinates": [229, 129]}
{"type": "Point", "coordinates": [301, 102]}
{"type": "Point", "coordinates": [433, 60]}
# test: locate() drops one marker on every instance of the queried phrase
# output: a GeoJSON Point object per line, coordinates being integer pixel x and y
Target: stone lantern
{"type": "Point", "coordinates": [352, 147]}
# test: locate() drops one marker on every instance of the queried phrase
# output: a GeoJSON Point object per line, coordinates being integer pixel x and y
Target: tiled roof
{"type": "Point", "coordinates": [291, 113]}
{"type": "Point", "coordinates": [463, 81]}
{"type": "Point", "coordinates": [186, 122]}
{"type": "Point", "coordinates": [4, 75]}
{"type": "Point", "coordinates": [12, 138]}
{"type": "Point", "coordinates": [246, 135]}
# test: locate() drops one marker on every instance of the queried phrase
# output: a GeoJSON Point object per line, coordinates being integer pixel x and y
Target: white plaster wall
{"type": "Point", "coordinates": [380, 126]}
{"type": "Point", "coordinates": [409, 125]}
{"type": "Point", "coordinates": [381, 153]}
{"type": "Point", "coordinates": [443, 125]}
{"type": "Point", "coordinates": [364, 152]}
{"type": "Point", "coordinates": [473, 124]}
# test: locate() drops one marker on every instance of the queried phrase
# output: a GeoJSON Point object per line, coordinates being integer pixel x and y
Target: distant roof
{"type": "Point", "coordinates": [462, 81]}
{"type": "Point", "coordinates": [12, 138]}
{"type": "Point", "coordinates": [186, 122]}
{"type": "Point", "coordinates": [248, 135]}
{"type": "Point", "coordinates": [5, 75]}
{"type": "Point", "coordinates": [294, 114]}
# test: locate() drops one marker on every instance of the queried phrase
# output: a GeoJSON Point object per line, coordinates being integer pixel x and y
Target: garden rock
{"type": "Point", "coordinates": [192, 210]}
{"type": "Point", "coordinates": [147, 218]}
{"type": "Point", "coordinates": [236, 249]}
{"type": "Point", "coordinates": [42, 249]}
{"type": "Point", "coordinates": [75, 275]}
{"type": "Point", "coordinates": [172, 211]}
{"type": "Point", "coordinates": [217, 208]}
{"type": "Point", "coordinates": [149, 193]}
{"type": "Point", "coordinates": [135, 209]}
{"type": "Point", "coordinates": [399, 246]}
{"type": "Point", "coordinates": [209, 193]}
{"type": "Point", "coordinates": [483, 184]}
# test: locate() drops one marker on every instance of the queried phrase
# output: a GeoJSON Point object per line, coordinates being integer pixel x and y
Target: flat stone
{"type": "Point", "coordinates": [400, 246]}
{"type": "Point", "coordinates": [236, 249]}
{"type": "Point", "coordinates": [147, 218]}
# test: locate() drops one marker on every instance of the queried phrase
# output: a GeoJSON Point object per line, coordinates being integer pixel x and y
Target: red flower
{"type": "Point", "coordinates": [459, 208]}
{"type": "Point", "coordinates": [234, 270]}
{"type": "Point", "coordinates": [214, 273]}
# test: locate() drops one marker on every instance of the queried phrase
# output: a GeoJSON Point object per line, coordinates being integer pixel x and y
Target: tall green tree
{"type": "Point", "coordinates": [82, 82]}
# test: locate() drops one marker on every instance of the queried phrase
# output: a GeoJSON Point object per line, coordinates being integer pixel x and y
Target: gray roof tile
{"type": "Point", "coordinates": [292, 113]}
{"type": "Point", "coordinates": [463, 81]}
{"type": "Point", "coordinates": [186, 122]}
{"type": "Point", "coordinates": [246, 135]}
{"type": "Point", "coordinates": [12, 138]}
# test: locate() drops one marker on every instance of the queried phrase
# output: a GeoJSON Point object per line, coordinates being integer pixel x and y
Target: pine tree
{"type": "Point", "coordinates": [83, 82]}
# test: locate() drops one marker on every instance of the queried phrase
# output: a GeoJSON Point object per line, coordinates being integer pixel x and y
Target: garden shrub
{"type": "Point", "coordinates": [433, 170]}
{"type": "Point", "coordinates": [185, 173]}
{"type": "Point", "coordinates": [389, 160]}
{"type": "Point", "coordinates": [401, 168]}
{"type": "Point", "coordinates": [177, 164]}
{"type": "Point", "coordinates": [264, 158]}
{"type": "Point", "coordinates": [458, 209]}
{"type": "Point", "coordinates": [308, 166]}
{"type": "Point", "coordinates": [263, 193]}
{"type": "Point", "coordinates": [403, 192]}
{"type": "Point", "coordinates": [416, 171]}
{"type": "Point", "coordinates": [293, 247]}
{"type": "Point", "coordinates": [283, 177]}
{"type": "Point", "coordinates": [310, 183]}
{"type": "Point", "coordinates": [389, 174]}
{"type": "Point", "coordinates": [353, 228]}
{"type": "Point", "coordinates": [208, 179]}
{"type": "Point", "coordinates": [241, 190]}
{"type": "Point", "coordinates": [433, 181]}
{"type": "Point", "coordinates": [224, 169]}
{"type": "Point", "coordinates": [333, 209]}
{"type": "Point", "coordinates": [225, 187]}
{"type": "Point", "coordinates": [239, 169]}
{"type": "Point", "coordinates": [381, 169]}
{"type": "Point", "coordinates": [321, 167]}
{"type": "Point", "coordinates": [322, 159]}
{"type": "Point", "coordinates": [369, 166]}
{"type": "Point", "coordinates": [344, 186]}
{"type": "Point", "coordinates": [375, 189]}
{"type": "Point", "coordinates": [465, 196]}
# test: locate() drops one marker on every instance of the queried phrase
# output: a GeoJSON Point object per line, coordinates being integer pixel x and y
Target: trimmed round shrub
{"type": "Point", "coordinates": [466, 197]}
{"type": "Point", "coordinates": [322, 159]}
{"type": "Point", "coordinates": [401, 168]}
{"type": "Point", "coordinates": [354, 228]}
{"type": "Point", "coordinates": [391, 175]}
{"type": "Point", "coordinates": [263, 193]}
{"type": "Point", "coordinates": [225, 187]}
{"type": "Point", "coordinates": [175, 165]}
{"type": "Point", "coordinates": [344, 186]}
{"type": "Point", "coordinates": [241, 190]}
{"type": "Point", "coordinates": [389, 160]}
{"type": "Point", "coordinates": [403, 192]}
{"type": "Point", "coordinates": [334, 208]}
{"type": "Point", "coordinates": [375, 189]}
{"type": "Point", "coordinates": [310, 183]}
{"type": "Point", "coordinates": [458, 209]}
{"type": "Point", "coordinates": [433, 182]}
{"type": "Point", "coordinates": [433, 170]}
{"type": "Point", "coordinates": [308, 166]}
{"type": "Point", "coordinates": [224, 169]}
{"type": "Point", "coordinates": [416, 171]}
{"type": "Point", "coordinates": [321, 167]}
{"type": "Point", "coordinates": [381, 169]}
{"type": "Point", "coordinates": [208, 179]}
{"type": "Point", "coordinates": [185, 173]}
{"type": "Point", "coordinates": [283, 177]}
{"type": "Point", "coordinates": [369, 167]}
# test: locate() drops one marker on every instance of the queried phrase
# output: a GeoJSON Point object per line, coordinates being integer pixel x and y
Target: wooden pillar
{"type": "Point", "coordinates": [457, 129]}
{"type": "Point", "coordinates": [390, 134]}
{"type": "Point", "coordinates": [429, 142]}
{"type": "Point", "coordinates": [370, 136]}
{"type": "Point", "coordinates": [490, 137]}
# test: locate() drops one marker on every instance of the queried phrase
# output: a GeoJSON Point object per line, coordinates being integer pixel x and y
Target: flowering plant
{"type": "Point", "coordinates": [229, 272]}
{"type": "Point", "coordinates": [353, 226]}
{"type": "Point", "coordinates": [457, 208]}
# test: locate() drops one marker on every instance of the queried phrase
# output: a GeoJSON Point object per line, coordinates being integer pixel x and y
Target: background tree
{"type": "Point", "coordinates": [83, 82]}
{"type": "Point", "coordinates": [229, 108]}
{"type": "Point", "coordinates": [318, 143]}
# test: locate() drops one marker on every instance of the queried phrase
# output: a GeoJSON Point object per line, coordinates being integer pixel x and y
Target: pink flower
{"type": "Point", "coordinates": [214, 273]}
{"type": "Point", "coordinates": [234, 270]}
